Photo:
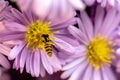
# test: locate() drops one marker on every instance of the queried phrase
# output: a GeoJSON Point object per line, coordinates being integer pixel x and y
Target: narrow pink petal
{"type": "Point", "coordinates": [87, 24]}
{"type": "Point", "coordinates": [16, 64]}
{"type": "Point", "coordinates": [37, 63]}
{"type": "Point", "coordinates": [55, 63]}
{"type": "Point", "coordinates": [46, 63]}
{"type": "Point", "coordinates": [62, 24]}
{"type": "Point", "coordinates": [28, 62]}
{"type": "Point", "coordinates": [20, 16]}
{"type": "Point", "coordinates": [23, 58]}
{"type": "Point", "coordinates": [9, 35]}
{"type": "Point", "coordinates": [80, 51]}
{"type": "Point", "coordinates": [12, 37]}
{"type": "Point", "coordinates": [4, 50]}
{"type": "Point", "coordinates": [98, 19]}
{"type": "Point", "coordinates": [74, 63]}
{"type": "Point", "coordinates": [62, 45]}
{"type": "Point", "coordinates": [78, 34]}
{"type": "Point", "coordinates": [80, 25]}
{"type": "Point", "coordinates": [29, 16]}
{"type": "Point", "coordinates": [77, 74]}
{"type": "Point", "coordinates": [97, 74]}
{"type": "Point", "coordinates": [16, 50]}
{"type": "Point", "coordinates": [42, 70]}
{"type": "Point", "coordinates": [107, 21]}
{"type": "Point", "coordinates": [12, 43]}
{"type": "Point", "coordinates": [68, 73]}
{"type": "Point", "coordinates": [88, 73]}
{"type": "Point", "coordinates": [4, 62]}
{"type": "Point", "coordinates": [114, 25]}
{"type": "Point", "coordinates": [31, 64]}
{"type": "Point", "coordinates": [13, 26]}
{"type": "Point", "coordinates": [109, 72]}
{"type": "Point", "coordinates": [68, 38]}
{"type": "Point", "coordinates": [105, 76]}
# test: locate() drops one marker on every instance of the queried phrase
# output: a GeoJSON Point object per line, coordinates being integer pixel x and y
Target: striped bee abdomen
{"type": "Point", "coordinates": [48, 48]}
{"type": "Point", "coordinates": [47, 44]}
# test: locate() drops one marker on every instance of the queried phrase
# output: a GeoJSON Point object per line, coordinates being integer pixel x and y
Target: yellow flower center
{"type": "Point", "coordinates": [39, 36]}
{"type": "Point", "coordinates": [99, 51]}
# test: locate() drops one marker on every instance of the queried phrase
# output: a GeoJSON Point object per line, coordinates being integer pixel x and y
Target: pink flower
{"type": "Point", "coordinates": [48, 7]}
{"type": "Point", "coordinates": [98, 46]}
{"type": "Point", "coordinates": [37, 41]}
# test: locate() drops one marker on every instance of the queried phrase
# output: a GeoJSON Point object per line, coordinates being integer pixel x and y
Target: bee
{"type": "Point", "coordinates": [47, 44]}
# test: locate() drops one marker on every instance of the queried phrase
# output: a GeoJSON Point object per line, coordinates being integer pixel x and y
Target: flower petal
{"type": "Point", "coordinates": [46, 63]}
{"type": "Point", "coordinates": [55, 63]}
{"type": "Point", "coordinates": [41, 8]}
{"type": "Point", "coordinates": [42, 70]}
{"type": "Point", "coordinates": [16, 63]}
{"type": "Point", "coordinates": [77, 4]}
{"type": "Point", "coordinates": [88, 73]}
{"type": "Point", "coordinates": [4, 62]}
{"type": "Point", "coordinates": [87, 25]}
{"type": "Point", "coordinates": [107, 21]}
{"type": "Point", "coordinates": [97, 75]}
{"type": "Point", "coordinates": [98, 19]}
{"type": "Point", "coordinates": [77, 74]}
{"type": "Point", "coordinates": [62, 45]}
{"type": "Point", "coordinates": [37, 63]}
{"type": "Point", "coordinates": [13, 26]}
{"type": "Point", "coordinates": [67, 73]}
{"type": "Point", "coordinates": [4, 50]}
{"type": "Point", "coordinates": [31, 64]}
{"type": "Point", "coordinates": [20, 17]}
{"type": "Point", "coordinates": [74, 63]}
{"type": "Point", "coordinates": [16, 50]}
{"type": "Point", "coordinates": [28, 62]}
{"type": "Point", "coordinates": [78, 34]}
{"type": "Point", "coordinates": [23, 58]}
{"type": "Point", "coordinates": [7, 35]}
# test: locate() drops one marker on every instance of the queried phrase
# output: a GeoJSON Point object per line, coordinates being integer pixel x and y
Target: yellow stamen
{"type": "Point", "coordinates": [38, 35]}
{"type": "Point", "coordinates": [99, 51]}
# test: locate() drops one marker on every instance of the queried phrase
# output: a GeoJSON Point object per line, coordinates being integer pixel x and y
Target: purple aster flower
{"type": "Point", "coordinates": [37, 41]}
{"type": "Point", "coordinates": [47, 7]}
{"type": "Point", "coordinates": [97, 51]}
